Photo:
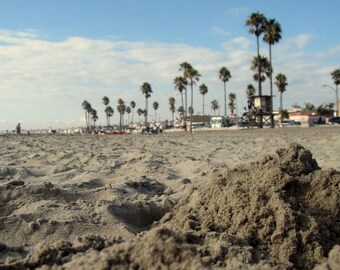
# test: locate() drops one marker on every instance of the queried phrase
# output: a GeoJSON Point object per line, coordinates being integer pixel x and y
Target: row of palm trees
{"type": "Point", "coordinates": [258, 25]}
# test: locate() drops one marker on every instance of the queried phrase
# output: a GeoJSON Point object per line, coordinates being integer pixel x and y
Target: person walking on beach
{"type": "Point", "coordinates": [18, 129]}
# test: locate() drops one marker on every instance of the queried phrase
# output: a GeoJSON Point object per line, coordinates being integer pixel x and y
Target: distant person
{"type": "Point", "coordinates": [18, 129]}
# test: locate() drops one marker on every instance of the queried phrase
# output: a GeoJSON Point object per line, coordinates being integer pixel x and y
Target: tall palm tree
{"type": "Point", "coordinates": [224, 76]}
{"type": "Point", "coordinates": [336, 79]}
{"type": "Point", "coordinates": [281, 83]}
{"type": "Point", "coordinates": [192, 76]}
{"type": "Point", "coordinates": [109, 112]}
{"type": "Point", "coordinates": [155, 106]}
{"type": "Point", "coordinates": [180, 84]}
{"type": "Point", "coordinates": [232, 99]}
{"type": "Point", "coordinates": [146, 90]}
{"type": "Point", "coordinates": [128, 111]}
{"type": "Point", "coordinates": [133, 106]}
{"type": "Point", "coordinates": [121, 109]}
{"type": "Point", "coordinates": [214, 105]}
{"type": "Point", "coordinates": [272, 35]}
{"type": "Point", "coordinates": [203, 90]}
{"type": "Point", "coordinates": [89, 110]}
{"type": "Point", "coordinates": [256, 23]}
{"type": "Point", "coordinates": [172, 107]}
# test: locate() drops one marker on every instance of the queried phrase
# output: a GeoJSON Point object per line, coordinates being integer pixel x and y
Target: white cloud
{"type": "Point", "coordinates": [43, 83]}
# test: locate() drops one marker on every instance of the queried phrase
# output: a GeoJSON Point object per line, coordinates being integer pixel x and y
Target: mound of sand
{"type": "Point", "coordinates": [281, 212]}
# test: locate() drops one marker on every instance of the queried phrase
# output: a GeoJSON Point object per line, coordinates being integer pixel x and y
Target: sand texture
{"type": "Point", "coordinates": [247, 199]}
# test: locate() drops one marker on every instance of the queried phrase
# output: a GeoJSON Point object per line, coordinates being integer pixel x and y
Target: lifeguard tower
{"type": "Point", "coordinates": [262, 109]}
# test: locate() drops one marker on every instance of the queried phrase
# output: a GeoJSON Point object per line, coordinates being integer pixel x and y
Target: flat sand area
{"type": "Point", "coordinates": [219, 199]}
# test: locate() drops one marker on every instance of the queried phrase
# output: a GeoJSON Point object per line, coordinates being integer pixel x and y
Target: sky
{"type": "Point", "coordinates": [54, 54]}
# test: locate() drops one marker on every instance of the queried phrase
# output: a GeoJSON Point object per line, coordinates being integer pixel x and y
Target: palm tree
{"type": "Point", "coordinates": [155, 106]}
{"type": "Point", "coordinates": [146, 90]}
{"type": "Point", "coordinates": [203, 90]}
{"type": "Point", "coordinates": [106, 102]}
{"type": "Point", "coordinates": [85, 106]}
{"type": "Point", "coordinates": [89, 110]}
{"type": "Point", "coordinates": [336, 79]}
{"type": "Point", "coordinates": [214, 105]}
{"type": "Point", "coordinates": [265, 68]}
{"type": "Point", "coordinates": [250, 91]}
{"type": "Point", "coordinates": [272, 35]}
{"type": "Point", "coordinates": [128, 111]}
{"type": "Point", "coordinates": [121, 109]}
{"type": "Point", "coordinates": [190, 110]}
{"type": "Point", "coordinates": [181, 85]}
{"type": "Point", "coordinates": [109, 112]}
{"type": "Point", "coordinates": [256, 23]}
{"type": "Point", "coordinates": [224, 76]}
{"type": "Point", "coordinates": [139, 112]}
{"type": "Point", "coordinates": [281, 83]}
{"type": "Point", "coordinates": [192, 76]}
{"type": "Point", "coordinates": [180, 111]}
{"type": "Point", "coordinates": [133, 106]}
{"type": "Point", "coordinates": [94, 117]}
{"type": "Point", "coordinates": [172, 108]}
{"type": "Point", "coordinates": [232, 99]}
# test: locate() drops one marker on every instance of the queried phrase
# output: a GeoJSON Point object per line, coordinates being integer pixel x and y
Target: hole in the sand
{"type": "Point", "coordinates": [137, 217]}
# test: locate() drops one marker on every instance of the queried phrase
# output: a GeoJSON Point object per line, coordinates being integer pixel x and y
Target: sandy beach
{"type": "Point", "coordinates": [241, 199]}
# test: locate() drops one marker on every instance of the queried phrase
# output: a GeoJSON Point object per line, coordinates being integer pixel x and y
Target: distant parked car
{"type": "Point", "coordinates": [286, 123]}
{"type": "Point", "coordinates": [334, 120]}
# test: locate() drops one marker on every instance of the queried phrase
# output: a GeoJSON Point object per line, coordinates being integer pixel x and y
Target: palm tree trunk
{"type": "Point", "coordinates": [192, 105]}
{"type": "Point", "coordinates": [86, 119]}
{"type": "Point", "coordinates": [281, 109]}
{"type": "Point", "coordinates": [186, 107]}
{"type": "Point", "coordinates": [271, 87]}
{"type": "Point", "coordinates": [259, 65]}
{"type": "Point", "coordinates": [133, 112]}
{"type": "Point", "coordinates": [225, 99]}
{"type": "Point", "coordinates": [146, 113]}
{"type": "Point", "coordinates": [203, 108]}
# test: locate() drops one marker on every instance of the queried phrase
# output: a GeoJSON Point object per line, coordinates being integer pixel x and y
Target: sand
{"type": "Point", "coordinates": [246, 199]}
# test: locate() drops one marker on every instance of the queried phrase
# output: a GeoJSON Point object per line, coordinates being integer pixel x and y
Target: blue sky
{"type": "Point", "coordinates": [54, 54]}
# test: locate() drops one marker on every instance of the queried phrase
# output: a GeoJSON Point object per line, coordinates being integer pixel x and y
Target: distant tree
{"type": "Point", "coordinates": [250, 91]}
{"type": "Point", "coordinates": [94, 117]}
{"type": "Point", "coordinates": [180, 84]}
{"type": "Point", "coordinates": [224, 76]}
{"type": "Point", "coordinates": [336, 79]}
{"type": "Point", "coordinates": [180, 111]}
{"type": "Point", "coordinates": [281, 83]}
{"type": "Point", "coordinates": [192, 76]}
{"type": "Point", "coordinates": [263, 71]}
{"type": "Point", "coordinates": [256, 22]}
{"type": "Point", "coordinates": [203, 90]}
{"type": "Point", "coordinates": [309, 107]}
{"type": "Point", "coordinates": [191, 110]}
{"type": "Point", "coordinates": [284, 114]}
{"type": "Point", "coordinates": [85, 105]}
{"type": "Point", "coordinates": [133, 106]}
{"type": "Point", "coordinates": [109, 112]}
{"type": "Point", "coordinates": [172, 107]}
{"type": "Point", "coordinates": [214, 105]}
{"type": "Point", "coordinates": [121, 109]}
{"type": "Point", "coordinates": [139, 112]}
{"type": "Point", "coordinates": [128, 111]}
{"type": "Point", "coordinates": [232, 104]}
{"type": "Point", "coordinates": [106, 102]}
{"type": "Point", "coordinates": [326, 109]}
{"type": "Point", "coordinates": [146, 91]}
{"type": "Point", "coordinates": [155, 106]}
